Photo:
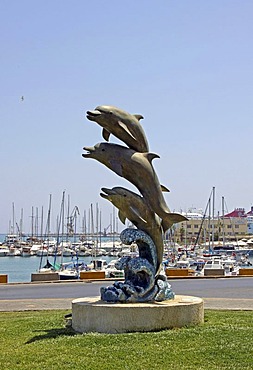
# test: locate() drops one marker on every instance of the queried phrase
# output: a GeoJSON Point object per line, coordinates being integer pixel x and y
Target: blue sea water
{"type": "Point", "coordinates": [19, 269]}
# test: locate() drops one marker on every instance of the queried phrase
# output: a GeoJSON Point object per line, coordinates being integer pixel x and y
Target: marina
{"type": "Point", "coordinates": [19, 269]}
{"type": "Point", "coordinates": [83, 256]}
{"type": "Point", "coordinates": [199, 246]}
{"type": "Point", "coordinates": [35, 257]}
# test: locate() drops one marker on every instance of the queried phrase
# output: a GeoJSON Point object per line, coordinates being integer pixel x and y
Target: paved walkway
{"type": "Point", "coordinates": [65, 304]}
{"type": "Point", "coordinates": [228, 304]}
{"type": "Point", "coordinates": [36, 304]}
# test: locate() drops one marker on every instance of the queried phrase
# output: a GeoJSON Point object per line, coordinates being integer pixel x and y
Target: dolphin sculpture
{"type": "Point", "coordinates": [137, 168]}
{"type": "Point", "coordinates": [121, 124]}
{"type": "Point", "coordinates": [134, 207]}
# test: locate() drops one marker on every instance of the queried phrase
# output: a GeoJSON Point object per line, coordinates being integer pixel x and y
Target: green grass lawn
{"type": "Point", "coordinates": [39, 340]}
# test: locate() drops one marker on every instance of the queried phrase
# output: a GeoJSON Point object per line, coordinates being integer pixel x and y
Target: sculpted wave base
{"type": "Point", "coordinates": [94, 315]}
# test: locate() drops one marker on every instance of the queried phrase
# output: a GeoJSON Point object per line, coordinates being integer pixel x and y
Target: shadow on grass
{"type": "Point", "coordinates": [52, 334]}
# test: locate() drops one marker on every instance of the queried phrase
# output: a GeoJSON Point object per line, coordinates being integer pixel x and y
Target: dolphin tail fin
{"type": "Point", "coordinates": [172, 218]}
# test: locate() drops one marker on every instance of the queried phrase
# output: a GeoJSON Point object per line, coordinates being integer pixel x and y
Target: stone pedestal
{"type": "Point", "coordinates": [94, 315]}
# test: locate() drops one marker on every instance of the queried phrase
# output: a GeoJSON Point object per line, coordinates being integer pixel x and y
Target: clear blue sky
{"type": "Point", "coordinates": [186, 66]}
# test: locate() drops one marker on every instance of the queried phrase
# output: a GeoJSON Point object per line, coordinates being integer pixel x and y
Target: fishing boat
{"type": "Point", "coordinates": [71, 270]}
{"type": "Point", "coordinates": [98, 264]}
{"type": "Point", "coordinates": [11, 239]}
{"type": "Point", "coordinates": [230, 265]}
{"type": "Point", "coordinates": [68, 272]}
{"type": "Point", "coordinates": [14, 251]}
{"type": "Point", "coordinates": [213, 266]}
{"type": "Point", "coordinates": [26, 251]}
{"type": "Point", "coordinates": [4, 250]}
{"type": "Point", "coordinates": [42, 252]}
{"type": "Point", "coordinates": [112, 272]}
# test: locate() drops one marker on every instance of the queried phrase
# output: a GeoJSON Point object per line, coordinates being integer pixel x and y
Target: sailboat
{"type": "Point", "coordinates": [70, 270]}
{"type": "Point", "coordinates": [47, 244]}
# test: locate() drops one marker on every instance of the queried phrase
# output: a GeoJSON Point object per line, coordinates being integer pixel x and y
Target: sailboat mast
{"type": "Point", "coordinates": [41, 223]}
{"type": "Point", "coordinates": [223, 222]}
{"type": "Point", "coordinates": [13, 219]}
{"type": "Point", "coordinates": [213, 218]}
{"type": "Point", "coordinates": [37, 223]}
{"type": "Point", "coordinates": [100, 229]}
{"type": "Point", "coordinates": [209, 224]}
{"type": "Point", "coordinates": [92, 232]}
{"type": "Point", "coordinates": [113, 226]}
{"type": "Point", "coordinates": [21, 225]}
{"type": "Point", "coordinates": [32, 222]}
{"type": "Point", "coordinates": [84, 224]}
{"type": "Point", "coordinates": [62, 224]}
{"type": "Point", "coordinates": [97, 213]}
{"type": "Point", "coordinates": [69, 220]}
{"type": "Point", "coordinates": [49, 216]}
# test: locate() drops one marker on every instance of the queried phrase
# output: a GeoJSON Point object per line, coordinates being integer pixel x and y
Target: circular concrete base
{"type": "Point", "coordinates": [94, 315]}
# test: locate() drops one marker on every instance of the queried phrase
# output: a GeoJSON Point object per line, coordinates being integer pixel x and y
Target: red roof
{"type": "Point", "coordinates": [238, 212]}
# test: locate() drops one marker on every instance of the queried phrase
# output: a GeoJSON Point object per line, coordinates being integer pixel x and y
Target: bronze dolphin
{"type": "Point", "coordinates": [121, 124]}
{"type": "Point", "coordinates": [137, 168]}
{"type": "Point", "coordinates": [134, 207]}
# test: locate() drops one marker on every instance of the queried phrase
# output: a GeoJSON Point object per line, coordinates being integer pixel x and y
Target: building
{"type": "Point", "coordinates": [202, 228]}
{"type": "Point", "coordinates": [250, 221]}
{"type": "Point", "coordinates": [240, 213]}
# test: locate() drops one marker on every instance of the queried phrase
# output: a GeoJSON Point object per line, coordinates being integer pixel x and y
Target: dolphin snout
{"type": "Point", "coordinates": [107, 192]}
{"type": "Point", "coordinates": [89, 149]}
{"type": "Point", "coordinates": [93, 114]}
{"type": "Point", "coordinates": [105, 196]}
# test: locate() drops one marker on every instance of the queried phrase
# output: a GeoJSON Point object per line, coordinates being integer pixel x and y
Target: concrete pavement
{"type": "Point", "coordinates": [217, 294]}
{"type": "Point", "coordinates": [65, 304]}
{"type": "Point", "coordinates": [36, 304]}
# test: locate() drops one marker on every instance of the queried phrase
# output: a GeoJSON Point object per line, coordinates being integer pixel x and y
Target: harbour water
{"type": "Point", "coordinates": [19, 269]}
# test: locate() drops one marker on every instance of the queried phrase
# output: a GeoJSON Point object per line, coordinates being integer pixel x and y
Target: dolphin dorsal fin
{"type": "Point", "coordinates": [106, 134]}
{"type": "Point", "coordinates": [138, 116]}
{"type": "Point", "coordinates": [151, 156]}
{"type": "Point", "coordinates": [163, 188]}
{"type": "Point", "coordinates": [125, 128]}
